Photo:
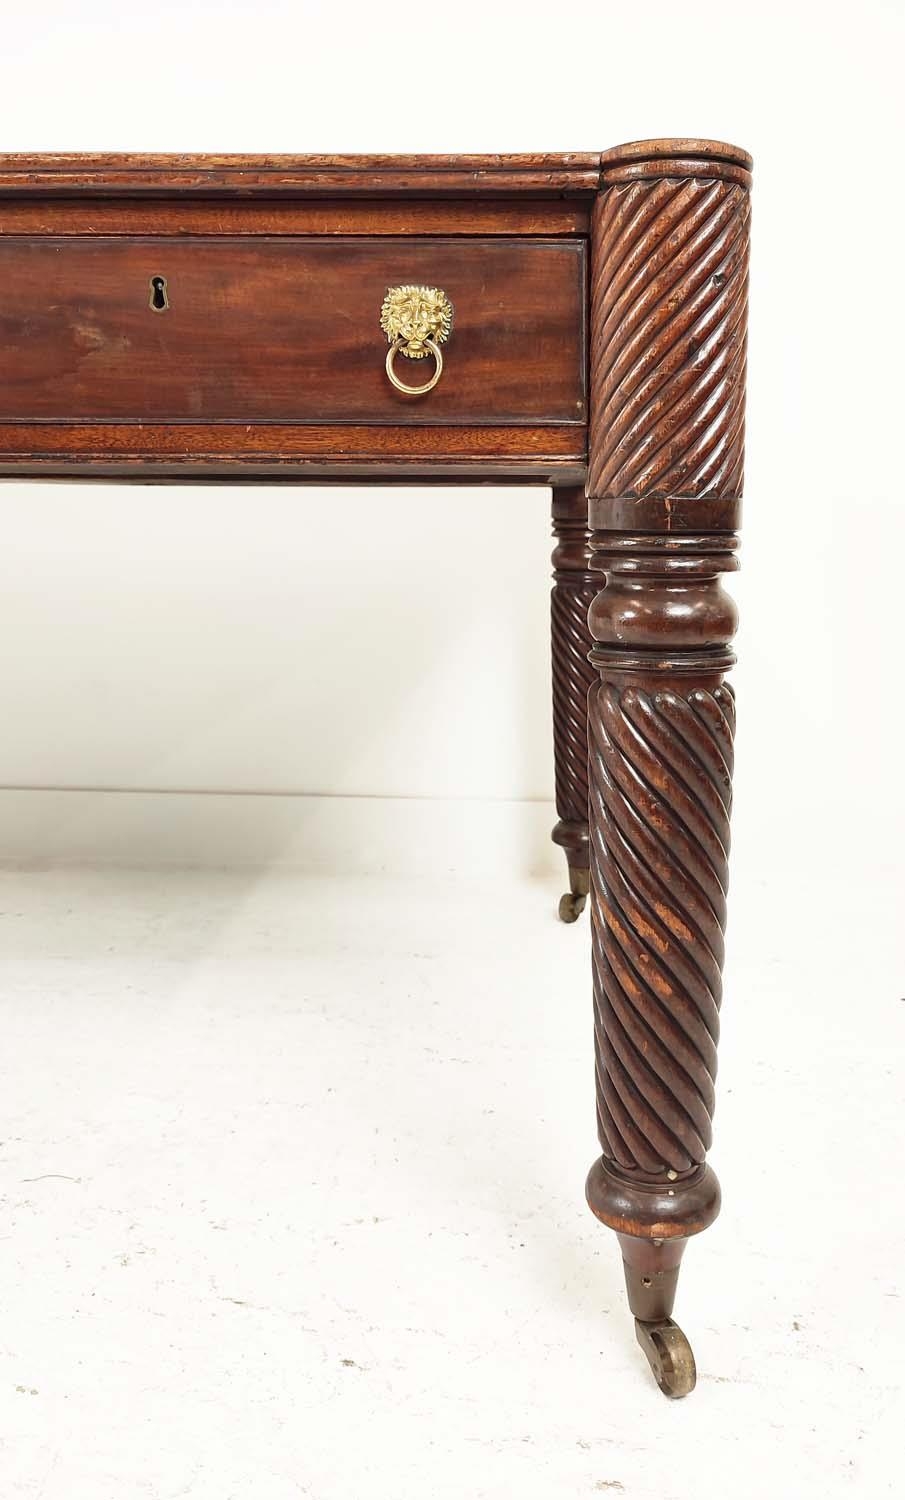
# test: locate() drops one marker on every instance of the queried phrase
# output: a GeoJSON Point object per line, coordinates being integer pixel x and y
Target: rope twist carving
{"type": "Point", "coordinates": [572, 678]}
{"type": "Point", "coordinates": [660, 787]}
{"type": "Point", "coordinates": [668, 338]}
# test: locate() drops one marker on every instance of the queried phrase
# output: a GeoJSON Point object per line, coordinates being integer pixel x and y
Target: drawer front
{"type": "Point", "coordinates": [285, 329]}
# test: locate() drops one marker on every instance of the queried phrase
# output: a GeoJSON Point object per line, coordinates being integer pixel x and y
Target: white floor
{"type": "Point", "coordinates": [292, 1174]}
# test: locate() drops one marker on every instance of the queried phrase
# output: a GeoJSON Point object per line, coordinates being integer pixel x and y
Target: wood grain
{"type": "Point", "coordinates": [285, 330]}
{"type": "Point", "coordinates": [668, 339]}
{"type": "Point", "coordinates": [87, 214]}
{"type": "Point", "coordinates": [543, 454]}
{"type": "Point", "coordinates": [130, 173]}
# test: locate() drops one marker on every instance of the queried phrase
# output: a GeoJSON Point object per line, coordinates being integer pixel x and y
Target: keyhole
{"type": "Point", "coordinates": [158, 298]}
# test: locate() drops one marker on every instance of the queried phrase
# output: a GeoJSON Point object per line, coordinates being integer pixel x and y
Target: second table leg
{"type": "Point", "coordinates": [574, 588]}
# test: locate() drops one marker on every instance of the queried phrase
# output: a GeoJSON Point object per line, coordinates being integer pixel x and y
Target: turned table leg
{"type": "Point", "coordinates": [574, 587]}
{"type": "Point", "coordinates": [668, 341]}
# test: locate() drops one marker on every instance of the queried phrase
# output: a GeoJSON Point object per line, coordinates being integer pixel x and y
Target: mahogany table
{"type": "Point", "coordinates": [574, 320]}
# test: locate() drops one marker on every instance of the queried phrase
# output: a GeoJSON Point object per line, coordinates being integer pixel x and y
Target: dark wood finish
{"type": "Point", "coordinates": [574, 588]}
{"type": "Point", "coordinates": [284, 330]}
{"type": "Point", "coordinates": [126, 450]}
{"type": "Point", "coordinates": [668, 342]}
{"type": "Point", "coordinates": [87, 215]}
{"type": "Point", "coordinates": [668, 309]}
{"type": "Point", "coordinates": [232, 175]}
{"type": "Point", "coordinates": [269, 364]}
{"type": "Point", "coordinates": [662, 726]}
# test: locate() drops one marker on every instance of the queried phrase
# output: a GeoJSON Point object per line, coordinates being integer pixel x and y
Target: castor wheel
{"type": "Point", "coordinates": [573, 903]}
{"type": "Point", "coordinates": [669, 1356]}
{"type": "Point", "coordinates": [571, 906]}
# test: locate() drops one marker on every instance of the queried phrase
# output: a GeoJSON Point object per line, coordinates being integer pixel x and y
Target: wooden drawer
{"type": "Point", "coordinates": [285, 330]}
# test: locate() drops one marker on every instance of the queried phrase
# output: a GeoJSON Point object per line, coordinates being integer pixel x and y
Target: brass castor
{"type": "Point", "coordinates": [572, 904]}
{"type": "Point", "coordinates": [669, 1355]}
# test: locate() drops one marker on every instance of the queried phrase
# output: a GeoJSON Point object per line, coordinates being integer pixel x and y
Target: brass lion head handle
{"type": "Point", "coordinates": [416, 321]}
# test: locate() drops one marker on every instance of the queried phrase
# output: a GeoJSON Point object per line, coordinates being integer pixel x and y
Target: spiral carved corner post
{"type": "Point", "coordinates": [574, 587]}
{"type": "Point", "coordinates": [668, 323]}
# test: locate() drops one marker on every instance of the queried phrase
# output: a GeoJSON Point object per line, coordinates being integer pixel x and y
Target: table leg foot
{"type": "Point", "coordinates": [651, 1279]}
{"type": "Point", "coordinates": [572, 904]}
{"type": "Point", "coordinates": [654, 1222]}
{"type": "Point", "coordinates": [669, 1356]}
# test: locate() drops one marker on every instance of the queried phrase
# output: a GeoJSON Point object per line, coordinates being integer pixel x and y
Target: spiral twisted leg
{"type": "Point", "coordinates": [669, 281]}
{"type": "Point", "coordinates": [661, 730]}
{"type": "Point", "coordinates": [661, 765]}
{"type": "Point", "coordinates": [573, 591]}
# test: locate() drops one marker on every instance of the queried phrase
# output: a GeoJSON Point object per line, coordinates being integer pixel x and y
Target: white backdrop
{"type": "Point", "coordinates": [335, 641]}
{"type": "Point", "coordinates": [183, 670]}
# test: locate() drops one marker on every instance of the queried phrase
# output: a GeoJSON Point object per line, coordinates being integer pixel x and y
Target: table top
{"type": "Point", "coordinates": [121, 172]}
{"type": "Point", "coordinates": [539, 174]}
{"type": "Point", "coordinates": [273, 269]}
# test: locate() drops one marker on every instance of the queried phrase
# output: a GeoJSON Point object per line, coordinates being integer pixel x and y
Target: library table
{"type": "Point", "coordinates": [574, 320]}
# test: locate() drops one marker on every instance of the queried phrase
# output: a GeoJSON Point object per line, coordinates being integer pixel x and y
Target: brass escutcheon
{"type": "Point", "coordinates": [416, 321]}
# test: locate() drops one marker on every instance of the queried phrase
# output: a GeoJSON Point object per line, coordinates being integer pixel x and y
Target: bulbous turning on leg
{"type": "Point", "coordinates": [653, 1222]}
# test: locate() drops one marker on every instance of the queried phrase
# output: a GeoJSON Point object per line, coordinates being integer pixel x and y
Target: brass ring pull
{"type": "Point", "coordinates": [398, 346]}
{"type": "Point", "coordinates": [416, 321]}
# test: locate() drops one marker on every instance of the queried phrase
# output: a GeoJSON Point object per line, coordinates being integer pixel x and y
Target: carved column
{"type": "Point", "coordinates": [574, 587]}
{"type": "Point", "coordinates": [668, 340]}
